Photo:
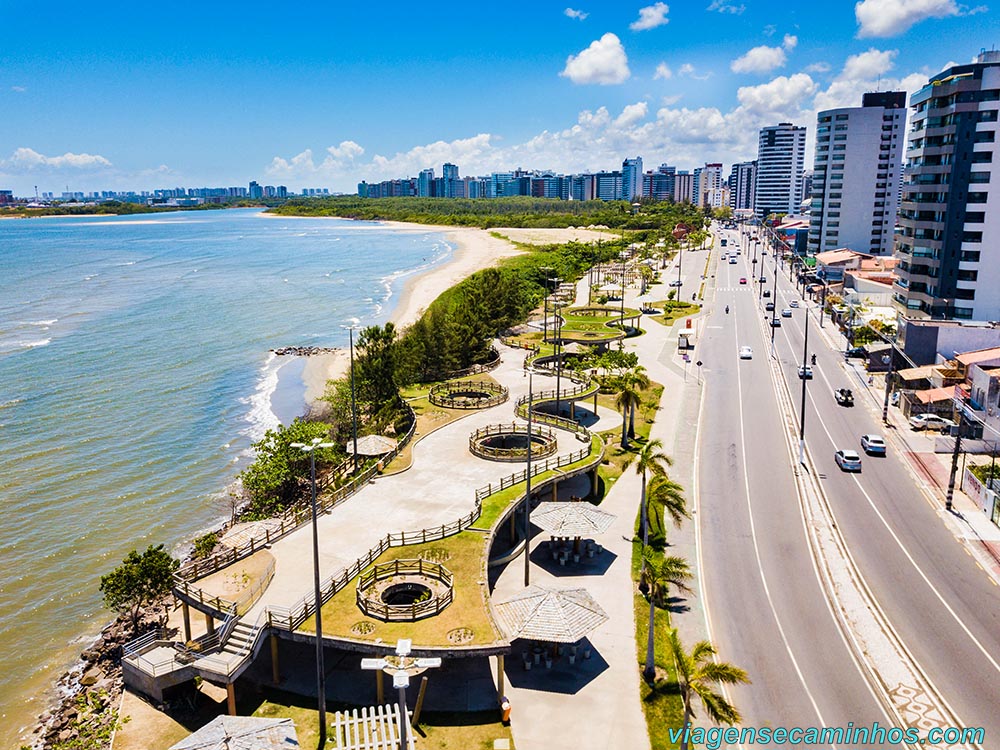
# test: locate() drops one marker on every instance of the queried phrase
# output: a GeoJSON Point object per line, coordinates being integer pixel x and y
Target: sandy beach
{"type": "Point", "coordinates": [473, 249]}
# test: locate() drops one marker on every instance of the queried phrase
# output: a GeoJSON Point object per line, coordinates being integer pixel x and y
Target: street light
{"type": "Point", "coordinates": [310, 448]}
{"type": "Point", "coordinates": [802, 407]}
{"type": "Point", "coordinates": [557, 344]}
{"type": "Point", "coordinates": [545, 314]}
{"type": "Point", "coordinates": [527, 497]}
{"type": "Point", "coordinates": [621, 343]}
{"type": "Point", "coordinates": [402, 667]}
{"type": "Point", "coordinates": [354, 408]}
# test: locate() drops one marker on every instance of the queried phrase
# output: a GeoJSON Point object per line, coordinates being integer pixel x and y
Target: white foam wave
{"type": "Point", "coordinates": [10, 402]}
{"type": "Point", "coordinates": [45, 323]}
{"type": "Point", "coordinates": [13, 346]}
{"type": "Point", "coordinates": [260, 417]}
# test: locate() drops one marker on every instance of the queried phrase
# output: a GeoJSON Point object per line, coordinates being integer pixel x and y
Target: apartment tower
{"type": "Point", "coordinates": [855, 183]}
{"type": "Point", "coordinates": [781, 156]}
{"type": "Point", "coordinates": [949, 217]}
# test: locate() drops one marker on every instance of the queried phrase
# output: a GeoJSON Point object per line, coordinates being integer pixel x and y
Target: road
{"type": "Point", "coordinates": [945, 608]}
{"type": "Point", "coordinates": [767, 609]}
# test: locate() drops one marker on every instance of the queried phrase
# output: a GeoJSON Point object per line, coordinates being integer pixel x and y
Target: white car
{"type": "Point", "coordinates": [746, 352]}
{"type": "Point", "coordinates": [931, 422]}
{"type": "Point", "coordinates": [676, 282]}
{"type": "Point", "coordinates": [848, 460]}
{"type": "Point", "coordinates": [873, 445]}
{"type": "Point", "coordinates": [793, 303]}
{"type": "Point", "coordinates": [786, 313]}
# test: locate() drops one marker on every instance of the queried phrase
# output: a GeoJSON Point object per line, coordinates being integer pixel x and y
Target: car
{"type": "Point", "coordinates": [746, 352]}
{"type": "Point", "coordinates": [763, 279]}
{"type": "Point", "coordinates": [848, 460]}
{"type": "Point", "coordinates": [856, 352]}
{"type": "Point", "coordinates": [775, 322]}
{"type": "Point", "coordinates": [793, 303]}
{"type": "Point", "coordinates": [743, 279]}
{"type": "Point", "coordinates": [786, 313]}
{"type": "Point", "coordinates": [769, 306]}
{"type": "Point", "coordinates": [676, 282]}
{"type": "Point", "coordinates": [844, 396]}
{"type": "Point", "coordinates": [763, 253]}
{"type": "Point", "coordinates": [767, 292]}
{"type": "Point", "coordinates": [732, 260]}
{"type": "Point", "coordinates": [932, 422]}
{"type": "Point", "coordinates": [873, 445]}
{"type": "Point", "coordinates": [805, 372]}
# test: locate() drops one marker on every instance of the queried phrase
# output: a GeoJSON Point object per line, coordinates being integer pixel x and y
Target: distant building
{"type": "Point", "coordinates": [683, 187]}
{"type": "Point", "coordinates": [583, 187]}
{"type": "Point", "coordinates": [425, 183]}
{"type": "Point", "coordinates": [711, 186]}
{"type": "Point", "coordinates": [632, 179]}
{"type": "Point", "coordinates": [659, 184]}
{"type": "Point", "coordinates": [949, 219]}
{"type": "Point", "coordinates": [256, 192]}
{"type": "Point", "coordinates": [781, 154]}
{"type": "Point", "coordinates": [741, 185]}
{"type": "Point", "coordinates": [6, 197]}
{"type": "Point", "coordinates": [609, 186]}
{"type": "Point", "coordinates": [856, 174]}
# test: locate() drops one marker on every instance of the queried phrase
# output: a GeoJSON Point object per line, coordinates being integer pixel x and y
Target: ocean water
{"type": "Point", "coordinates": [134, 375]}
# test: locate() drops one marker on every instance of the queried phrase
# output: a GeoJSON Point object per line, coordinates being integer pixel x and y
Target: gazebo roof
{"type": "Point", "coordinates": [242, 733]}
{"type": "Point", "coordinates": [372, 445]}
{"type": "Point", "coordinates": [571, 519]}
{"type": "Point", "coordinates": [550, 615]}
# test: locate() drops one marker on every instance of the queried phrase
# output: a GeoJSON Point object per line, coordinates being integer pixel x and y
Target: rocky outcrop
{"type": "Point", "coordinates": [303, 351]}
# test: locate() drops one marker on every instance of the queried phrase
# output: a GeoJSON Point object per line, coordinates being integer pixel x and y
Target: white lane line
{"type": "Point", "coordinates": [892, 533]}
{"type": "Point", "coordinates": [756, 547]}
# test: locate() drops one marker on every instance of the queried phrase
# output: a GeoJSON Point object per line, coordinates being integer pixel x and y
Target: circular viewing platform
{"type": "Point", "coordinates": [404, 590]}
{"type": "Point", "coordinates": [468, 394]}
{"type": "Point", "coordinates": [509, 442]}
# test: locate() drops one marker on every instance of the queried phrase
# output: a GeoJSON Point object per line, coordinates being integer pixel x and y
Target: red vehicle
{"type": "Point", "coordinates": [743, 279]}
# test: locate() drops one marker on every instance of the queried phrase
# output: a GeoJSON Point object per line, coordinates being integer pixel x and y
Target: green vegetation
{"type": "Point", "coordinates": [673, 310]}
{"type": "Point", "coordinates": [497, 212]}
{"type": "Point", "coordinates": [204, 544]}
{"type": "Point", "coordinates": [278, 477]}
{"type": "Point", "coordinates": [139, 582]}
{"type": "Point", "coordinates": [113, 208]}
{"type": "Point", "coordinates": [93, 724]}
{"type": "Point", "coordinates": [984, 472]}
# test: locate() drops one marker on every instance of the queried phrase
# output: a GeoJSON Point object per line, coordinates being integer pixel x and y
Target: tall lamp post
{"type": "Point", "coordinates": [802, 407]}
{"type": "Point", "coordinates": [621, 343]}
{"type": "Point", "coordinates": [310, 448]}
{"type": "Point", "coordinates": [354, 408]}
{"type": "Point", "coordinates": [557, 343]}
{"type": "Point", "coordinates": [527, 496]}
{"type": "Point", "coordinates": [545, 315]}
{"type": "Point", "coordinates": [402, 667]}
{"type": "Point", "coordinates": [774, 311]}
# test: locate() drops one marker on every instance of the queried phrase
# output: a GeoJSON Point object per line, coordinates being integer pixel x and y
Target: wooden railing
{"type": "Point", "coordinates": [186, 591]}
{"type": "Point", "coordinates": [404, 612]}
{"type": "Point", "coordinates": [543, 442]}
{"type": "Point", "coordinates": [442, 394]}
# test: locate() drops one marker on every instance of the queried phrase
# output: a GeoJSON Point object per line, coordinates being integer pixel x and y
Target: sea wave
{"type": "Point", "coordinates": [260, 417]}
{"type": "Point", "coordinates": [21, 344]}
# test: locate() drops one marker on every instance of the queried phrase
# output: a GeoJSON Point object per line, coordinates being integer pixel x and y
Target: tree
{"type": "Point", "coordinates": [275, 479]}
{"type": "Point", "coordinates": [652, 461]}
{"type": "Point", "coordinates": [375, 374]}
{"type": "Point", "coordinates": [637, 379]}
{"type": "Point", "coordinates": [697, 675]}
{"type": "Point", "coordinates": [139, 582]}
{"type": "Point", "coordinates": [658, 574]}
{"type": "Point", "coordinates": [627, 399]}
{"type": "Point", "coordinates": [666, 497]}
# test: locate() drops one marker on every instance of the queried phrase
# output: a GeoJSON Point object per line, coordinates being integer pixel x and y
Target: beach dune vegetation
{"type": "Point", "coordinates": [139, 582]}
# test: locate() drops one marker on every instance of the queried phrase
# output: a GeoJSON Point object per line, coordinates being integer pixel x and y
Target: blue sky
{"type": "Point", "coordinates": [140, 95]}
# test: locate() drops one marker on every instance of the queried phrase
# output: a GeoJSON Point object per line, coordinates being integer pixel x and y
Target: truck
{"type": "Point", "coordinates": [684, 340]}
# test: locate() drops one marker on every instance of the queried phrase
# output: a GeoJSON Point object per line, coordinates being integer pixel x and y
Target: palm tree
{"type": "Point", "coordinates": [651, 461]}
{"type": "Point", "coordinates": [665, 496]}
{"type": "Point", "coordinates": [628, 398]}
{"type": "Point", "coordinates": [659, 573]}
{"type": "Point", "coordinates": [637, 380]}
{"type": "Point", "coordinates": [697, 674]}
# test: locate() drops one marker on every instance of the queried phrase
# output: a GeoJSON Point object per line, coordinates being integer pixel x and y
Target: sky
{"type": "Point", "coordinates": [147, 95]}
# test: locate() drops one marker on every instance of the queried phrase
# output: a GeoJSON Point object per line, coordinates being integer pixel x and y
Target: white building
{"type": "Point", "coordinates": [683, 187]}
{"type": "Point", "coordinates": [741, 185]}
{"type": "Point", "coordinates": [781, 155]}
{"type": "Point", "coordinates": [710, 192]}
{"type": "Point", "coordinates": [632, 178]}
{"type": "Point", "coordinates": [856, 174]}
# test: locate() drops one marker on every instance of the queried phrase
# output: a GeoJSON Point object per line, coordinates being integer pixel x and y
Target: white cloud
{"type": "Point", "coordinates": [603, 62]}
{"type": "Point", "coordinates": [631, 115]}
{"type": "Point", "coordinates": [346, 151]}
{"type": "Point", "coordinates": [724, 7]}
{"type": "Point", "coordinates": [764, 59]}
{"type": "Point", "coordinates": [868, 65]}
{"type": "Point", "coordinates": [26, 159]}
{"type": "Point", "coordinates": [651, 16]}
{"type": "Point", "coordinates": [770, 29]}
{"type": "Point", "coordinates": [579, 15]}
{"type": "Point", "coordinates": [663, 71]}
{"type": "Point", "coordinates": [19, 89]}
{"type": "Point", "coordinates": [779, 96]}
{"type": "Point", "coordinates": [687, 69]}
{"type": "Point", "coordinates": [667, 101]}
{"type": "Point", "coordinates": [884, 18]}
{"type": "Point", "coordinates": [818, 67]}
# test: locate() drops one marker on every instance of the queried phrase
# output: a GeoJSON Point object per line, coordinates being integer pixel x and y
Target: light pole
{"type": "Point", "coordinates": [402, 667]}
{"type": "Point", "coordinates": [354, 408]}
{"type": "Point", "coordinates": [802, 407]}
{"type": "Point", "coordinates": [310, 448]}
{"type": "Point", "coordinates": [527, 497]}
{"type": "Point", "coordinates": [545, 314]}
{"type": "Point", "coordinates": [888, 383]}
{"type": "Point", "coordinates": [621, 344]}
{"type": "Point", "coordinates": [774, 306]}
{"type": "Point", "coordinates": [557, 343]}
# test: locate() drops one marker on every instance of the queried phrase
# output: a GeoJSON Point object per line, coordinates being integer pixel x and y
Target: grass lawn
{"type": "Point", "coordinates": [441, 730]}
{"type": "Point", "coordinates": [673, 310]}
{"type": "Point", "coordinates": [616, 459]}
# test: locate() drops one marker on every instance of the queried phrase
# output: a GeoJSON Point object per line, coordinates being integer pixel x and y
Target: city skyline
{"type": "Point", "coordinates": [328, 98]}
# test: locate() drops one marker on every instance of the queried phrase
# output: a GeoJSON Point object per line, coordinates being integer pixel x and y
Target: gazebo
{"type": "Point", "coordinates": [241, 733]}
{"type": "Point", "coordinates": [372, 445]}
{"type": "Point", "coordinates": [550, 615]}
{"type": "Point", "coordinates": [573, 520]}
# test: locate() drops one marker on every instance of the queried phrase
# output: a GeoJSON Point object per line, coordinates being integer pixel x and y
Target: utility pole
{"type": "Point", "coordinates": [802, 407]}
{"type": "Point", "coordinates": [527, 497]}
{"type": "Point", "coordinates": [888, 383]}
{"type": "Point", "coordinates": [954, 463]}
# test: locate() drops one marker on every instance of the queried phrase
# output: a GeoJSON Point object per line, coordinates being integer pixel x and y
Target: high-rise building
{"type": "Point", "coordinates": [255, 191]}
{"type": "Point", "coordinates": [609, 186]}
{"type": "Point", "coordinates": [781, 156]}
{"type": "Point", "coordinates": [710, 186]}
{"type": "Point", "coordinates": [425, 183]}
{"type": "Point", "coordinates": [855, 180]}
{"type": "Point", "coordinates": [683, 187]}
{"type": "Point", "coordinates": [741, 185]}
{"type": "Point", "coordinates": [949, 239]}
{"type": "Point", "coordinates": [659, 184]}
{"type": "Point", "coordinates": [583, 187]}
{"type": "Point", "coordinates": [632, 178]}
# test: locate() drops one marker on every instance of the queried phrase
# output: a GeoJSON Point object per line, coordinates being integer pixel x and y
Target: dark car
{"type": "Point", "coordinates": [856, 352]}
{"type": "Point", "coordinates": [769, 306]}
{"type": "Point", "coordinates": [767, 292]}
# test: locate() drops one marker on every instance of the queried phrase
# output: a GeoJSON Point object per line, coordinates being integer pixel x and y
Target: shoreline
{"type": "Point", "coordinates": [471, 249]}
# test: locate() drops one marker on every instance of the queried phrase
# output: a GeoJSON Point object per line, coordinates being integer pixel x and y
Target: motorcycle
{"type": "Point", "coordinates": [727, 309]}
{"type": "Point", "coordinates": [812, 359]}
